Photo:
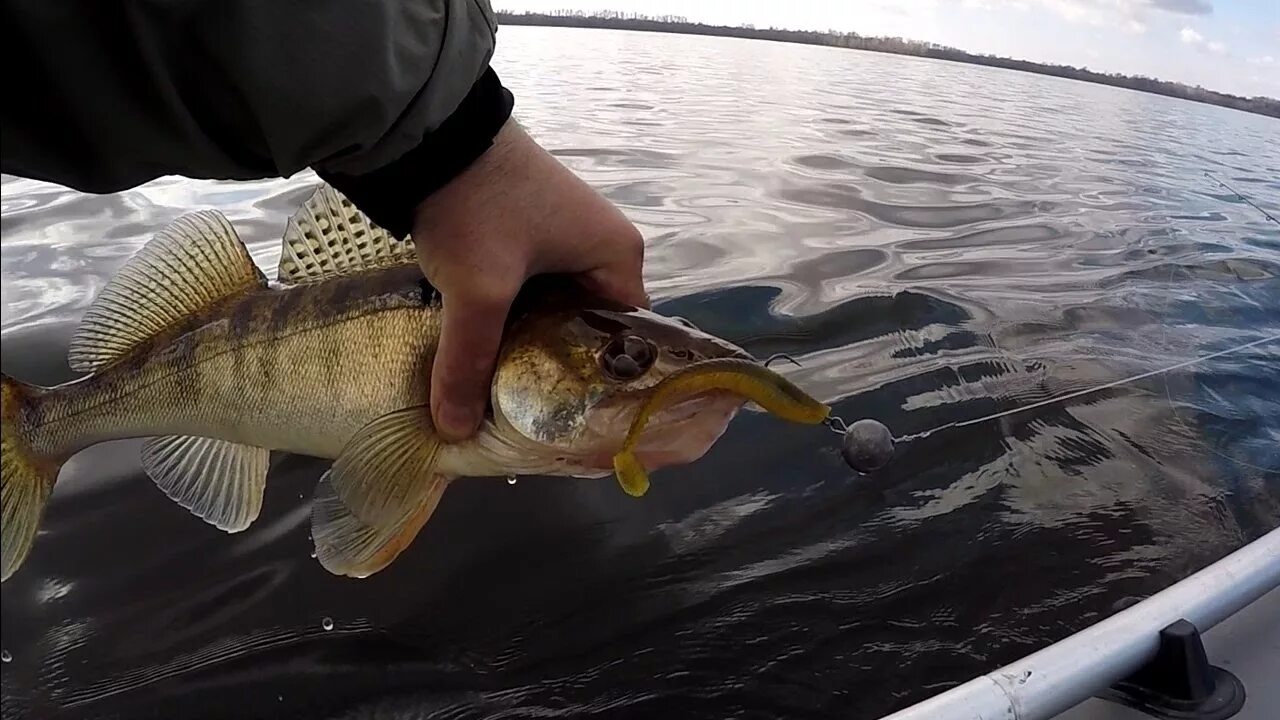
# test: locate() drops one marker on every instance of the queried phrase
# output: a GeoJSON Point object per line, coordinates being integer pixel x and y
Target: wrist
{"type": "Point", "coordinates": [391, 194]}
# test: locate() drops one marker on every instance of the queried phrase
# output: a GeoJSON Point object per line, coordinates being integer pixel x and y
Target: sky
{"type": "Point", "coordinates": [1227, 45]}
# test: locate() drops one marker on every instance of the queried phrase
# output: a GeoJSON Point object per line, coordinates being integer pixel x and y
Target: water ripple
{"type": "Point", "coordinates": [935, 242]}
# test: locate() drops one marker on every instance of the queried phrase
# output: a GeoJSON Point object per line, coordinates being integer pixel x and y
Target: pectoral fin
{"type": "Point", "coordinates": [346, 546]}
{"type": "Point", "coordinates": [381, 473]}
{"type": "Point", "coordinates": [218, 481]}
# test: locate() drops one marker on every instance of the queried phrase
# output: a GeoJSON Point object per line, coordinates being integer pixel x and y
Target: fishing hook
{"type": "Point", "coordinates": [836, 424]}
{"type": "Point", "coordinates": [781, 356]}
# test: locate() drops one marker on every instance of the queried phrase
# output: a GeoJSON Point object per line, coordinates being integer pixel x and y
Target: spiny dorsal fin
{"type": "Point", "coordinates": [220, 482]}
{"type": "Point", "coordinates": [329, 236]}
{"type": "Point", "coordinates": [189, 266]}
{"type": "Point", "coordinates": [346, 546]}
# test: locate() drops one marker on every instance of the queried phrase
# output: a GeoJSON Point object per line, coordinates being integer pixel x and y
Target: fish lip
{"type": "Point", "coordinates": [680, 433]}
{"type": "Point", "coordinates": [689, 408]}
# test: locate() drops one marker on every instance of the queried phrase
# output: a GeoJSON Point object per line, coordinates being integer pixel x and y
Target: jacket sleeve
{"type": "Point", "coordinates": [385, 99]}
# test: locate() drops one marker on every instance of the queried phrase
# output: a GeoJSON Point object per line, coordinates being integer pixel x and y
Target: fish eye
{"type": "Point", "coordinates": [627, 357]}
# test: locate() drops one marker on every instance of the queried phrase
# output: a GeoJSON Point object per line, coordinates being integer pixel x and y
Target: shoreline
{"type": "Point", "coordinates": [1258, 105]}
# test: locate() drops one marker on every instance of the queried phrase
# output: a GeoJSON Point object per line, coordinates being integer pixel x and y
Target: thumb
{"type": "Point", "coordinates": [461, 375]}
{"type": "Point", "coordinates": [621, 282]}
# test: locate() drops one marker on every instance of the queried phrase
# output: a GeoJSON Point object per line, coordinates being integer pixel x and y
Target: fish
{"type": "Point", "coordinates": [192, 349]}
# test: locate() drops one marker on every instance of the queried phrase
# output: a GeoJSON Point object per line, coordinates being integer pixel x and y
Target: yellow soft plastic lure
{"type": "Point", "coordinates": [753, 381]}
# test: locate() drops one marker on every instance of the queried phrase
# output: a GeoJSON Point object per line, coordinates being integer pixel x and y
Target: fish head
{"type": "Point", "coordinates": [572, 376]}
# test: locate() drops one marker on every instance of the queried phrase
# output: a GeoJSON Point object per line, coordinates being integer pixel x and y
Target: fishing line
{"type": "Point", "coordinates": [862, 435]}
{"type": "Point", "coordinates": [1235, 192]}
{"type": "Point", "coordinates": [1168, 394]}
{"type": "Point", "coordinates": [1097, 388]}
{"type": "Point", "coordinates": [869, 445]}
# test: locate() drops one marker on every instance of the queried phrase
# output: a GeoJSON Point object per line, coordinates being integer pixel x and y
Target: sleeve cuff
{"type": "Point", "coordinates": [390, 194]}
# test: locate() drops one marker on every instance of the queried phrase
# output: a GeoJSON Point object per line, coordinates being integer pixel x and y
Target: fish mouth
{"type": "Point", "coordinates": [683, 432]}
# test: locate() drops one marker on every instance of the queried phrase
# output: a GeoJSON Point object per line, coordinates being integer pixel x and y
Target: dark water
{"type": "Point", "coordinates": [934, 242]}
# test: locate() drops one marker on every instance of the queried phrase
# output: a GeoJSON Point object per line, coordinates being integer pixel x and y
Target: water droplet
{"type": "Point", "coordinates": [511, 479]}
{"type": "Point", "coordinates": [327, 623]}
{"type": "Point", "coordinates": [5, 656]}
{"type": "Point", "coordinates": [313, 554]}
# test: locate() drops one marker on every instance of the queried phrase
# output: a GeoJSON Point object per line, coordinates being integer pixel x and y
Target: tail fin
{"type": "Point", "coordinates": [26, 479]}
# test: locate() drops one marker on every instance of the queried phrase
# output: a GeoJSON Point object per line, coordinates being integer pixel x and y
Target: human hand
{"type": "Point", "coordinates": [513, 213]}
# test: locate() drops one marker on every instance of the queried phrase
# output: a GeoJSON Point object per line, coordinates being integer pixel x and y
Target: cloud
{"type": "Point", "coordinates": [1183, 7]}
{"type": "Point", "coordinates": [1127, 8]}
{"type": "Point", "coordinates": [1129, 15]}
{"type": "Point", "coordinates": [1189, 36]}
{"type": "Point", "coordinates": [1264, 60]}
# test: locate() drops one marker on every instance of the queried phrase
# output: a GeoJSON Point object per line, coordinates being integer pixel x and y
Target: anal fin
{"type": "Point", "coordinates": [346, 546]}
{"type": "Point", "coordinates": [218, 481]}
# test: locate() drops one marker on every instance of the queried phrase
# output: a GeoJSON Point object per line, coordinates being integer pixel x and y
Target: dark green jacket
{"type": "Point", "coordinates": [385, 99]}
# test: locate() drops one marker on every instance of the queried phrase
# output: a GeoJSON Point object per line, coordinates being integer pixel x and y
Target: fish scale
{"type": "Point", "coordinates": [241, 381]}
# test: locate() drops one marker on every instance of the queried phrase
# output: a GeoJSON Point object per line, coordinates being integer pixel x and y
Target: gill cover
{"type": "Point", "coordinates": [544, 396]}
{"type": "Point", "coordinates": [576, 367]}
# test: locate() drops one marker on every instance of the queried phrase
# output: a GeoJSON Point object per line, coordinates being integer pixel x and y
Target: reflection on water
{"type": "Point", "coordinates": [935, 242]}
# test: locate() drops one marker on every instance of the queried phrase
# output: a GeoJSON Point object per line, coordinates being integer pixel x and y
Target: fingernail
{"type": "Point", "coordinates": [458, 421]}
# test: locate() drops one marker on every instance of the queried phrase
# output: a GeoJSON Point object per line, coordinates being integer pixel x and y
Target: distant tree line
{"type": "Point", "coordinates": [679, 24]}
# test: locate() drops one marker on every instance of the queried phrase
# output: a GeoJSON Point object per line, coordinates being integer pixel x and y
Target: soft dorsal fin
{"type": "Point", "coordinates": [329, 236]}
{"type": "Point", "coordinates": [189, 266]}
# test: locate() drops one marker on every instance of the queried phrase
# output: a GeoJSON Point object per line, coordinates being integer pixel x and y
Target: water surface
{"type": "Point", "coordinates": [935, 243]}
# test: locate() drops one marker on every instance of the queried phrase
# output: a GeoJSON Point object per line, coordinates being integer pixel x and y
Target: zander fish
{"type": "Point", "coordinates": [190, 347]}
